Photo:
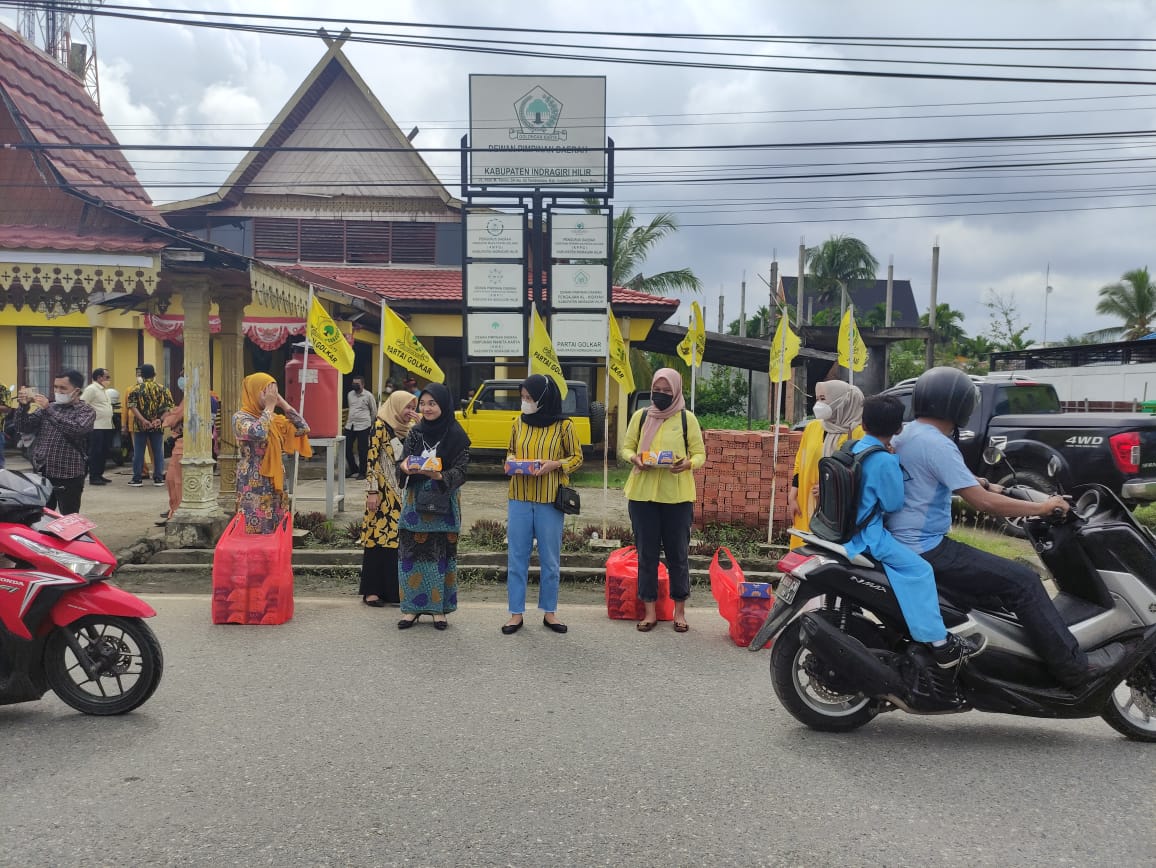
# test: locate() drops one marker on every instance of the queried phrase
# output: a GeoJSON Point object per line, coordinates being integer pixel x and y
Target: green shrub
{"type": "Point", "coordinates": [1146, 515]}
{"type": "Point", "coordinates": [308, 520]}
{"type": "Point", "coordinates": [730, 422]}
{"type": "Point", "coordinates": [488, 534]}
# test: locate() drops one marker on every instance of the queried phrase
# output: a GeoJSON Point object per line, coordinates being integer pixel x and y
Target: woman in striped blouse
{"type": "Point", "coordinates": [542, 435]}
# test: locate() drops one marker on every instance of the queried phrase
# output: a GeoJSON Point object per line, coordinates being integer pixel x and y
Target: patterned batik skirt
{"type": "Point", "coordinates": [428, 572]}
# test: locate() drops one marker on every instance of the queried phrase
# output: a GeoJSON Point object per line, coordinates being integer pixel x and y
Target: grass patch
{"type": "Point", "coordinates": [1146, 515]}
{"type": "Point", "coordinates": [727, 422]}
{"type": "Point", "coordinates": [593, 478]}
{"type": "Point", "coordinates": [994, 543]}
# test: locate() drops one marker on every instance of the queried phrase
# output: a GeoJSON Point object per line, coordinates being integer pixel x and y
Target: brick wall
{"type": "Point", "coordinates": [734, 487]}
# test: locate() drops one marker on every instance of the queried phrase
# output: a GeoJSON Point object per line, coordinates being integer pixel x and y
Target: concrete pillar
{"type": "Point", "coordinates": [198, 521]}
{"type": "Point", "coordinates": [231, 340]}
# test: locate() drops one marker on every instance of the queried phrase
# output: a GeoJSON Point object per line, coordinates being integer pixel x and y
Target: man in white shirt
{"type": "Point", "coordinates": [100, 440]}
{"type": "Point", "coordinates": [362, 410]}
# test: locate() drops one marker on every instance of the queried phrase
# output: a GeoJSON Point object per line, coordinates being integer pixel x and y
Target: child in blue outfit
{"type": "Point", "coordinates": [911, 577]}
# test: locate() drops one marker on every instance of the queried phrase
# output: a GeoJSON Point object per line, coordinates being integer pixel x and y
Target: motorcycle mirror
{"type": "Point", "coordinates": [992, 455]}
{"type": "Point", "coordinates": [1053, 467]}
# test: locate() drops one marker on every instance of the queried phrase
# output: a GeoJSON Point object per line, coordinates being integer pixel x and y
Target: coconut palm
{"type": "Point", "coordinates": [836, 263]}
{"type": "Point", "coordinates": [1132, 299]}
{"type": "Point", "coordinates": [948, 331]}
{"type": "Point", "coordinates": [633, 244]}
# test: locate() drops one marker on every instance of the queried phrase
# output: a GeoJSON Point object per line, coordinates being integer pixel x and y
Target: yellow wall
{"type": "Point", "coordinates": [8, 355]}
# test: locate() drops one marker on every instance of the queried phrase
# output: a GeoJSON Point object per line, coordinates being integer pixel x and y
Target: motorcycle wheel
{"type": "Point", "coordinates": [827, 708]}
{"type": "Point", "coordinates": [128, 660]}
{"type": "Point", "coordinates": [1131, 709]}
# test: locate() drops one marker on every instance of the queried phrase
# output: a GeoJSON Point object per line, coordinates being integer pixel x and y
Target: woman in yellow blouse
{"type": "Point", "coordinates": [661, 496]}
{"type": "Point", "coordinates": [544, 435]}
{"type": "Point", "coordinates": [838, 413]}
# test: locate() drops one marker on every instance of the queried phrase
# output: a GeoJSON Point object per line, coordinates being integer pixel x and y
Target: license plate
{"type": "Point", "coordinates": [788, 585]}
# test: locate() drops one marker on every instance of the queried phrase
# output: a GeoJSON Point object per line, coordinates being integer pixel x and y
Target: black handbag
{"type": "Point", "coordinates": [431, 500]}
{"type": "Point", "coordinates": [567, 501]}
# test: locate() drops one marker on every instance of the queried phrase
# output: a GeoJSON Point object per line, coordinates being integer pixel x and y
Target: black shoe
{"type": "Point", "coordinates": [556, 626]}
{"type": "Point", "coordinates": [97, 482]}
{"type": "Point", "coordinates": [957, 649]}
{"type": "Point", "coordinates": [106, 480]}
{"type": "Point", "coordinates": [1099, 662]}
{"type": "Point", "coordinates": [158, 482]}
{"type": "Point", "coordinates": [441, 625]}
{"type": "Point", "coordinates": [136, 483]}
{"type": "Point", "coordinates": [377, 604]}
{"type": "Point", "coordinates": [406, 623]}
{"type": "Point", "coordinates": [511, 629]}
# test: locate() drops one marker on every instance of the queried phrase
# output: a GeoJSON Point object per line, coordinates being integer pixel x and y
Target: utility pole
{"type": "Point", "coordinates": [934, 303]}
{"type": "Point", "coordinates": [799, 288]}
{"type": "Point", "coordinates": [721, 321]}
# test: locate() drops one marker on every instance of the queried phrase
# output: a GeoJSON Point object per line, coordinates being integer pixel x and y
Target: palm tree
{"type": "Point", "coordinates": [835, 263]}
{"type": "Point", "coordinates": [1132, 299]}
{"type": "Point", "coordinates": [632, 245]}
{"type": "Point", "coordinates": [948, 330]}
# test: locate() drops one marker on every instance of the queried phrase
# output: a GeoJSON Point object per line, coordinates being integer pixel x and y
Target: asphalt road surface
{"type": "Point", "coordinates": [339, 740]}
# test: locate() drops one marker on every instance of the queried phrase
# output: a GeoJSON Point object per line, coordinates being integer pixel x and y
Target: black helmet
{"type": "Point", "coordinates": [945, 393]}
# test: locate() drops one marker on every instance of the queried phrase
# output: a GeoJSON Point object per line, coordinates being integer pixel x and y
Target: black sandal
{"type": "Point", "coordinates": [406, 623]}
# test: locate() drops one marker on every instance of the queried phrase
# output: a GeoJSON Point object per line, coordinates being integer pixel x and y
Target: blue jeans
{"type": "Point", "coordinates": [156, 439]}
{"type": "Point", "coordinates": [525, 522]}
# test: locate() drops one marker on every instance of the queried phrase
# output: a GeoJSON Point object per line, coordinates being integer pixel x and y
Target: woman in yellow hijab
{"type": "Point", "coordinates": [264, 438]}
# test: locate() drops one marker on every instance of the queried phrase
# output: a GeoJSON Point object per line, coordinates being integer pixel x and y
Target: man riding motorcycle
{"type": "Point", "coordinates": [943, 400]}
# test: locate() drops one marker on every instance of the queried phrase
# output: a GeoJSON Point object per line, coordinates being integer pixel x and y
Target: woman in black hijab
{"type": "Point", "coordinates": [434, 460]}
{"type": "Point", "coordinates": [546, 439]}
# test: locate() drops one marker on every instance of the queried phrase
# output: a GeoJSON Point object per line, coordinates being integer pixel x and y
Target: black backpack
{"type": "Point", "coordinates": [840, 490]}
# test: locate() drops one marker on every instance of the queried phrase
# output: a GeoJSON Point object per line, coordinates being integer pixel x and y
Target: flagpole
{"type": "Point", "coordinates": [606, 437]}
{"type": "Point", "coordinates": [301, 402]}
{"type": "Point", "coordinates": [851, 343]}
{"type": "Point", "coordinates": [774, 419]}
{"type": "Point", "coordinates": [693, 370]}
{"type": "Point", "coordinates": [381, 354]}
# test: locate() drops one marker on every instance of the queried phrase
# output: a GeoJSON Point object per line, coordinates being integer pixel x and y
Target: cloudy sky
{"type": "Point", "coordinates": [1084, 208]}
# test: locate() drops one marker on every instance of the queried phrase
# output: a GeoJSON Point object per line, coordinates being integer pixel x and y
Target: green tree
{"type": "Point", "coordinates": [633, 244]}
{"type": "Point", "coordinates": [835, 264]}
{"type": "Point", "coordinates": [1004, 329]}
{"type": "Point", "coordinates": [723, 391]}
{"type": "Point", "coordinates": [759, 324]}
{"type": "Point", "coordinates": [1132, 299]}
{"type": "Point", "coordinates": [948, 331]}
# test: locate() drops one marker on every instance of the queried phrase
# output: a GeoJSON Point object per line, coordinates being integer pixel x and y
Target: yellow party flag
{"type": "Point", "coordinates": [618, 357]}
{"type": "Point", "coordinates": [852, 350]}
{"type": "Point", "coordinates": [695, 337]}
{"type": "Point", "coordinates": [784, 348]}
{"type": "Point", "coordinates": [327, 340]}
{"type": "Point", "coordinates": [543, 359]}
{"type": "Point", "coordinates": [401, 345]}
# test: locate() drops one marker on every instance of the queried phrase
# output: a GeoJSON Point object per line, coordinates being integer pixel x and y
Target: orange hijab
{"type": "Point", "coordinates": [282, 435]}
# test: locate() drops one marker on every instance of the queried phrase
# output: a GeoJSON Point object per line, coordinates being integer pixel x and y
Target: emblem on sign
{"type": "Point", "coordinates": [538, 113]}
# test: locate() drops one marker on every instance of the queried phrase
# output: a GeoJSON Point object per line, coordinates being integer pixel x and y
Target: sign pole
{"type": "Point", "coordinates": [301, 403]}
{"type": "Point", "coordinates": [606, 430]}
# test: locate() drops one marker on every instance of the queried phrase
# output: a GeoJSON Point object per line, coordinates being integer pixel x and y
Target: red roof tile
{"type": "Point", "coordinates": [52, 107]}
{"type": "Point", "coordinates": [431, 284]}
{"type": "Point", "coordinates": [52, 238]}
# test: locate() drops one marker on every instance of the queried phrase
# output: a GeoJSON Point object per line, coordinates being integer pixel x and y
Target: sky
{"type": "Point", "coordinates": [1075, 224]}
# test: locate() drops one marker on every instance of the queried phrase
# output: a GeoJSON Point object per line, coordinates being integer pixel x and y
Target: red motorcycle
{"type": "Point", "coordinates": [61, 625]}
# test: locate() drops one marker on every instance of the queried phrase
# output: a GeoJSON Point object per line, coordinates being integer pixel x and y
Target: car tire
{"type": "Point", "coordinates": [597, 421]}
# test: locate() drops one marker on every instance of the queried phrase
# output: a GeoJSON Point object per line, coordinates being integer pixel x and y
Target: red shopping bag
{"type": "Point", "coordinates": [745, 605]}
{"type": "Point", "coordinates": [622, 588]}
{"type": "Point", "coordinates": [253, 575]}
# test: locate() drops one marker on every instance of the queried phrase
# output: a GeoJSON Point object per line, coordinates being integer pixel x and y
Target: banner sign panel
{"type": "Point", "coordinates": [578, 236]}
{"type": "Point", "coordinates": [537, 131]}
{"type": "Point", "coordinates": [578, 286]}
{"type": "Point", "coordinates": [496, 334]}
{"type": "Point", "coordinates": [579, 334]}
{"type": "Point", "coordinates": [494, 236]}
{"type": "Point", "coordinates": [496, 285]}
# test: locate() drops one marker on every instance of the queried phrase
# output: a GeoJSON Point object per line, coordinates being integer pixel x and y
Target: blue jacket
{"type": "Point", "coordinates": [882, 488]}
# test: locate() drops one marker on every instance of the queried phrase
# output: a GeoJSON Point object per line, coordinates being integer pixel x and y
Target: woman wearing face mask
{"type": "Point", "coordinates": [661, 496]}
{"type": "Point", "coordinates": [383, 492]}
{"type": "Point", "coordinates": [544, 435]}
{"type": "Point", "coordinates": [431, 513]}
{"type": "Point", "coordinates": [838, 413]}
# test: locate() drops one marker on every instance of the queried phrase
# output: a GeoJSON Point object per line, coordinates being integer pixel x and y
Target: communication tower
{"type": "Point", "coordinates": [66, 32]}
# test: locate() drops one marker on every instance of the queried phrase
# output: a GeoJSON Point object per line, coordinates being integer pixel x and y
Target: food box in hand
{"type": "Point", "coordinates": [416, 462]}
{"type": "Point", "coordinates": [622, 601]}
{"type": "Point", "coordinates": [517, 467]}
{"type": "Point", "coordinates": [658, 459]}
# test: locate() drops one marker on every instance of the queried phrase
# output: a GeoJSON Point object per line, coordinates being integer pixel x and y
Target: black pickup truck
{"type": "Point", "coordinates": [1024, 420]}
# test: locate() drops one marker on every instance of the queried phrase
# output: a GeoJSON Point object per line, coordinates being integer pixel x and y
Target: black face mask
{"type": "Point", "coordinates": [661, 400]}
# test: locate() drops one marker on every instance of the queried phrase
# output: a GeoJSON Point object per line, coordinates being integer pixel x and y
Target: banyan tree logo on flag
{"type": "Point", "coordinates": [538, 113]}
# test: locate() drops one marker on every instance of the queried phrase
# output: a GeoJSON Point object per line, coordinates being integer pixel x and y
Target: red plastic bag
{"type": "Point", "coordinates": [622, 588]}
{"type": "Point", "coordinates": [745, 605]}
{"type": "Point", "coordinates": [253, 575]}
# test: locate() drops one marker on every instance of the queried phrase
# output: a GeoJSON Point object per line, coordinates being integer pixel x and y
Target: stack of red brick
{"type": "Point", "coordinates": [734, 487]}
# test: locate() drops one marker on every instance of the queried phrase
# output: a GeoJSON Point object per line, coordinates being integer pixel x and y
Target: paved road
{"type": "Point", "coordinates": [336, 739]}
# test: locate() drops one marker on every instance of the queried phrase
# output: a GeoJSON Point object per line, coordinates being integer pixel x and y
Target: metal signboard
{"type": "Point", "coordinates": [542, 131]}
{"type": "Point", "coordinates": [497, 285]}
{"type": "Point", "coordinates": [496, 334]}
{"type": "Point", "coordinates": [579, 236]}
{"type": "Point", "coordinates": [578, 286]}
{"type": "Point", "coordinates": [579, 334]}
{"type": "Point", "coordinates": [495, 235]}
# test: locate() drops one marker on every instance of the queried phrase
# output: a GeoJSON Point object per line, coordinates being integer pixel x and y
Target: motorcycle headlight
{"type": "Point", "coordinates": [84, 567]}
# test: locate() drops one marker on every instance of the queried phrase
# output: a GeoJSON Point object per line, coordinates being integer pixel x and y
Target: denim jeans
{"type": "Point", "coordinates": [974, 575]}
{"type": "Point", "coordinates": [156, 439]}
{"type": "Point", "coordinates": [525, 522]}
{"type": "Point", "coordinates": [665, 526]}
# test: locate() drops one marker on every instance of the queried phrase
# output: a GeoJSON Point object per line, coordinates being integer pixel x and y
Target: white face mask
{"type": "Point", "coordinates": [66, 398]}
{"type": "Point", "coordinates": [529, 408]}
{"type": "Point", "coordinates": [822, 410]}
